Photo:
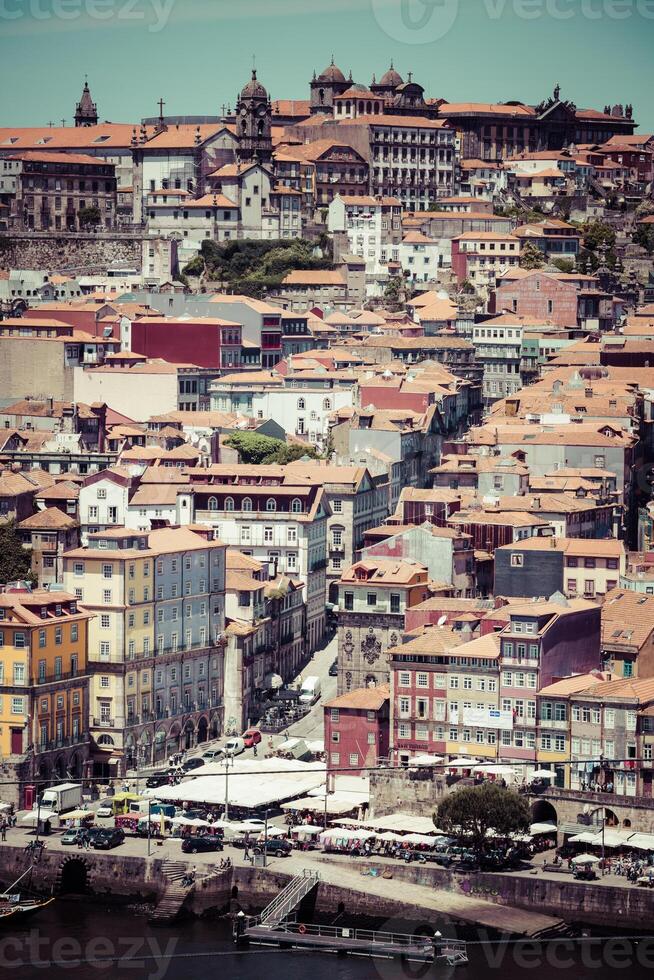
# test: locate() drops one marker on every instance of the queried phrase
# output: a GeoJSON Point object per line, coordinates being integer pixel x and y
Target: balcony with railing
{"type": "Point", "coordinates": [103, 722]}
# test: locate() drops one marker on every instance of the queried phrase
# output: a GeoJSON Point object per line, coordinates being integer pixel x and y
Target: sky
{"type": "Point", "coordinates": [197, 54]}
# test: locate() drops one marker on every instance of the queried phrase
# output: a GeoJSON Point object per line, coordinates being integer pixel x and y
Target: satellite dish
{"type": "Point", "coordinates": [441, 621]}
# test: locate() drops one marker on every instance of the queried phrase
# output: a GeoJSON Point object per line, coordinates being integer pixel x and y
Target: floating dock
{"type": "Point", "coordinates": [276, 926]}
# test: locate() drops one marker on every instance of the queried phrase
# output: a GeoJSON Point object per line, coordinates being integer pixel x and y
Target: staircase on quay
{"type": "Point", "coordinates": [175, 893]}
{"type": "Point", "coordinates": [289, 899]}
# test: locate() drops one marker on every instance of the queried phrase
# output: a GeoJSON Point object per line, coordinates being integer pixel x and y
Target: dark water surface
{"type": "Point", "coordinates": [80, 940]}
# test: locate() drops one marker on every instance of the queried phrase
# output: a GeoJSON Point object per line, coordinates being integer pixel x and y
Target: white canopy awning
{"type": "Point", "coordinates": [403, 822]}
{"type": "Point", "coordinates": [542, 828]}
{"type": "Point", "coordinates": [585, 859]}
{"type": "Point", "coordinates": [461, 763]}
{"type": "Point", "coordinates": [643, 842]}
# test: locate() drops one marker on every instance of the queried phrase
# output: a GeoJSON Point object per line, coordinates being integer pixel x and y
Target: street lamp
{"type": "Point", "coordinates": [265, 840]}
{"type": "Point", "coordinates": [226, 813]}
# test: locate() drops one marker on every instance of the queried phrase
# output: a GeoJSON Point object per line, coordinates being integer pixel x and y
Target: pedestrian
{"type": "Point", "coordinates": [254, 751]}
{"type": "Point", "coordinates": [3, 828]}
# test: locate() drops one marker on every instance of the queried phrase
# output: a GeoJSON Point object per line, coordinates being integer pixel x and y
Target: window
{"type": "Point", "coordinates": [271, 504]}
{"type": "Point", "coordinates": [349, 600]}
{"type": "Point", "coordinates": [395, 603]}
{"type": "Point", "coordinates": [405, 678]}
{"type": "Point", "coordinates": [105, 621]}
{"type": "Point", "coordinates": [371, 599]}
{"type": "Point", "coordinates": [517, 560]}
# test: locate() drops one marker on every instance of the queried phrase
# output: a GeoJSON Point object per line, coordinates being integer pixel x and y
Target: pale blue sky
{"type": "Point", "coordinates": [198, 53]}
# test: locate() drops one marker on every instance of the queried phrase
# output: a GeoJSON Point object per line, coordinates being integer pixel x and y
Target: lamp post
{"type": "Point", "coordinates": [226, 814]}
{"type": "Point", "coordinates": [149, 823]}
{"type": "Point", "coordinates": [265, 840]}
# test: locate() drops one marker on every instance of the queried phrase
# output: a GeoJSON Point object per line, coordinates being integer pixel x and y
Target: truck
{"type": "Point", "coordinates": [58, 799]}
{"type": "Point", "coordinates": [310, 690]}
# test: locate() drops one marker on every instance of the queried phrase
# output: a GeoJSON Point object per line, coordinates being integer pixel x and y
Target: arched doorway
{"type": "Point", "coordinates": [130, 752]}
{"type": "Point", "coordinates": [60, 768]}
{"type": "Point", "coordinates": [188, 735]}
{"type": "Point", "coordinates": [203, 729]}
{"type": "Point", "coordinates": [144, 749]}
{"type": "Point", "coordinates": [73, 878]}
{"type": "Point", "coordinates": [214, 727]}
{"type": "Point", "coordinates": [75, 766]}
{"type": "Point", "coordinates": [159, 745]}
{"type": "Point", "coordinates": [172, 739]}
{"type": "Point", "coordinates": [542, 811]}
{"type": "Point", "coordinates": [603, 815]}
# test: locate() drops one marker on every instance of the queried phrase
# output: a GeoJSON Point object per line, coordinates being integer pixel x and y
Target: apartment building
{"type": "Point", "coordinates": [628, 633]}
{"type": "Point", "coordinates": [454, 693]}
{"type": "Point", "coordinates": [357, 730]}
{"type": "Point", "coordinates": [498, 347]}
{"type": "Point", "coordinates": [156, 640]}
{"type": "Point", "coordinates": [481, 256]}
{"type": "Point", "coordinates": [373, 226]}
{"type": "Point", "coordinates": [103, 500]}
{"type": "Point", "coordinates": [373, 598]}
{"type": "Point", "coordinates": [271, 516]}
{"type": "Point", "coordinates": [412, 158]}
{"type": "Point", "coordinates": [572, 566]}
{"type": "Point", "coordinates": [357, 501]}
{"type": "Point", "coordinates": [44, 689]}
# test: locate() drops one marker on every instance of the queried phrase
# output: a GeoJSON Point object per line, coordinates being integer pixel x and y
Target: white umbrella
{"type": "Point", "coordinates": [585, 859]}
{"type": "Point", "coordinates": [542, 828]}
{"type": "Point", "coordinates": [461, 763]}
{"type": "Point", "coordinates": [543, 774]}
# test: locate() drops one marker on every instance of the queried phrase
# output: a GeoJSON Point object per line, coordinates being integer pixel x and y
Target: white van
{"type": "Point", "coordinates": [310, 690]}
{"type": "Point", "coordinates": [234, 745]}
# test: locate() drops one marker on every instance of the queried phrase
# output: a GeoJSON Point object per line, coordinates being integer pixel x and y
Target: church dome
{"type": "Point", "coordinates": [254, 89]}
{"type": "Point", "coordinates": [391, 77]}
{"type": "Point", "coordinates": [332, 74]}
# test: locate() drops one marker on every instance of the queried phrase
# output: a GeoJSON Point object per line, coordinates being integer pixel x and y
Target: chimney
{"type": "Point", "coordinates": [588, 392]}
{"type": "Point", "coordinates": [536, 503]}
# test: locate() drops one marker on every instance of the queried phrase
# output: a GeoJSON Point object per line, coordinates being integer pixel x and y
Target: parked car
{"type": "Point", "coordinates": [90, 833]}
{"type": "Point", "coordinates": [274, 845]}
{"type": "Point", "coordinates": [105, 809]}
{"type": "Point", "coordinates": [333, 670]}
{"type": "Point", "coordinates": [203, 842]}
{"type": "Point", "coordinates": [234, 745]}
{"type": "Point", "coordinates": [212, 755]}
{"type": "Point", "coordinates": [193, 763]}
{"type": "Point", "coordinates": [72, 835]}
{"type": "Point", "coordinates": [108, 838]}
{"type": "Point", "coordinates": [157, 779]}
{"type": "Point", "coordinates": [251, 737]}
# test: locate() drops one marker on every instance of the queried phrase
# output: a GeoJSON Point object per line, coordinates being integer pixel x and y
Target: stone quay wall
{"type": "Point", "coordinates": [69, 252]}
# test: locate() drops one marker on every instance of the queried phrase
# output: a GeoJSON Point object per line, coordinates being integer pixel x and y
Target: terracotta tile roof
{"type": "Point", "coordinates": [407, 122]}
{"type": "Point", "coordinates": [34, 156]}
{"type": "Point", "coordinates": [211, 201]}
{"type": "Point", "coordinates": [571, 685]}
{"type": "Point", "coordinates": [487, 108]}
{"type": "Point", "coordinates": [51, 518]}
{"type": "Point", "coordinates": [313, 277]}
{"type": "Point", "coordinates": [362, 699]}
{"type": "Point", "coordinates": [627, 618]}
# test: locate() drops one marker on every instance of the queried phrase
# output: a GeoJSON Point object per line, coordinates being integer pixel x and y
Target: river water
{"type": "Point", "coordinates": [79, 940]}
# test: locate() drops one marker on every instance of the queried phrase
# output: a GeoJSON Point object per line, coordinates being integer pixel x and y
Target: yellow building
{"type": "Point", "coordinates": [43, 685]}
{"type": "Point", "coordinates": [155, 643]}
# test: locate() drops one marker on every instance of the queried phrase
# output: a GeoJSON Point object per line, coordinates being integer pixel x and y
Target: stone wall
{"type": "Point", "coordinates": [406, 791]}
{"type": "Point", "coordinates": [70, 253]}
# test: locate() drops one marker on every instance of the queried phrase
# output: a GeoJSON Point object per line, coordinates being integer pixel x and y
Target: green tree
{"type": "Point", "coordinates": [596, 233]}
{"type": "Point", "coordinates": [474, 810]}
{"type": "Point", "coordinates": [564, 265]}
{"type": "Point", "coordinates": [393, 288]}
{"type": "Point", "coordinates": [89, 217]}
{"type": "Point", "coordinates": [531, 257]}
{"type": "Point", "coordinates": [644, 236]}
{"type": "Point", "coordinates": [256, 449]}
{"type": "Point", "coordinates": [15, 561]}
